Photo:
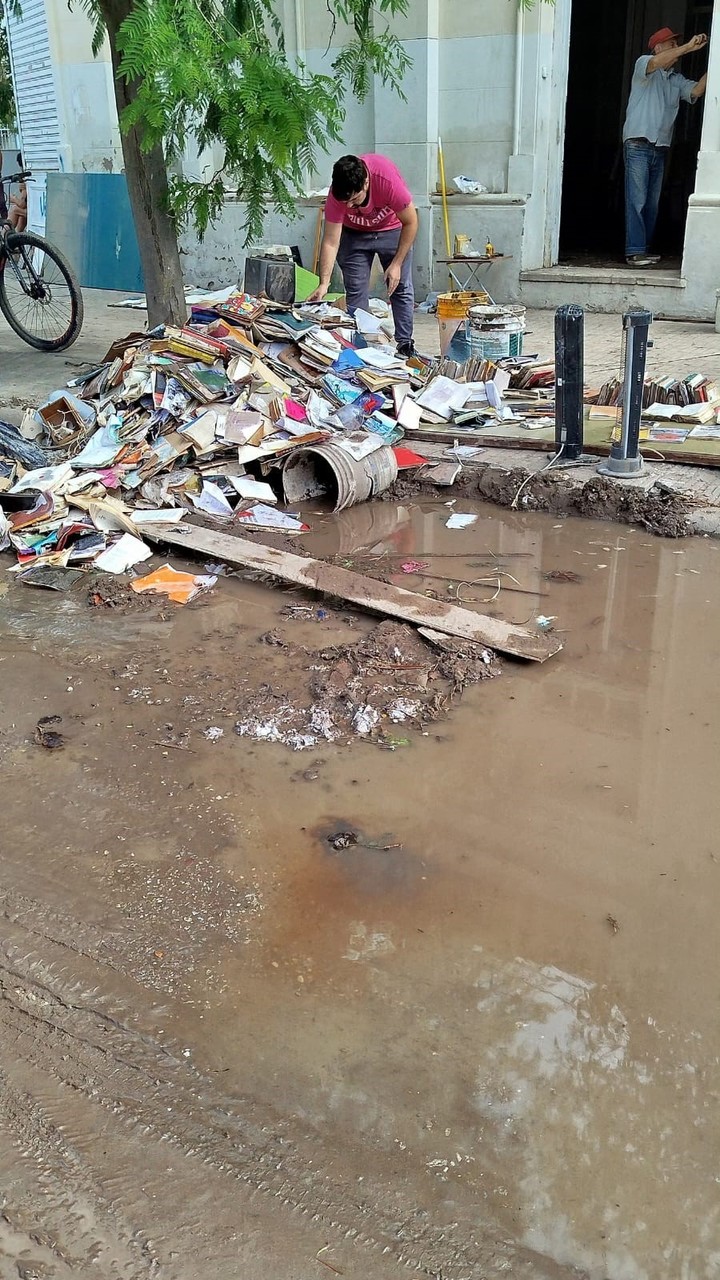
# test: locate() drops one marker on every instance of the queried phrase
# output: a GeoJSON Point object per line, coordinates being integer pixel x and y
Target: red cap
{"type": "Point", "coordinates": [661, 36]}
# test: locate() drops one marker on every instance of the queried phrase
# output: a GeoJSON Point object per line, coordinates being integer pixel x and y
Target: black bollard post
{"type": "Point", "coordinates": [569, 361]}
{"type": "Point", "coordinates": [625, 458]}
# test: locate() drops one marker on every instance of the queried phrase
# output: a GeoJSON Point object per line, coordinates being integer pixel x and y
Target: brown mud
{"type": "Point", "coordinates": [479, 1040]}
{"type": "Point", "coordinates": [657, 510]}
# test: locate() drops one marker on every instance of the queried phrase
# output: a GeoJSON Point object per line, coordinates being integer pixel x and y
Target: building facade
{"type": "Point", "coordinates": [64, 96]}
{"type": "Point", "coordinates": [527, 103]}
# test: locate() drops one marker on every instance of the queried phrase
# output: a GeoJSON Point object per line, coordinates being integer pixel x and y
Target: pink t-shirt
{"type": "Point", "coordinates": [387, 197]}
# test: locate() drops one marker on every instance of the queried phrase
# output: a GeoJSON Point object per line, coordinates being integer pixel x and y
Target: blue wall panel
{"type": "Point", "coordinates": [90, 221]}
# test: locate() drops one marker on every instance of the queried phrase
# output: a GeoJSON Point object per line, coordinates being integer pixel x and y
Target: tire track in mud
{"type": "Point", "coordinates": [76, 1225]}
{"type": "Point", "coordinates": [82, 1032]}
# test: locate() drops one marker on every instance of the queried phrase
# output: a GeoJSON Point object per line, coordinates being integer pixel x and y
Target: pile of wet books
{"type": "Point", "coordinates": [190, 421]}
{"type": "Point", "coordinates": [695, 388]}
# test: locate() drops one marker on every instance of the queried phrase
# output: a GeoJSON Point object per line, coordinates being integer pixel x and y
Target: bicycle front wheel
{"type": "Point", "coordinates": [39, 295]}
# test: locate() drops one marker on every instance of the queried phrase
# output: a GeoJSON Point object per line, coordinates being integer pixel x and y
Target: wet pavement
{"type": "Point", "coordinates": [492, 1049]}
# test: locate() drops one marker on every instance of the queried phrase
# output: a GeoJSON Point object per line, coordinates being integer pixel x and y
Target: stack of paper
{"type": "Point", "coordinates": [319, 349]}
{"type": "Point", "coordinates": [444, 397]}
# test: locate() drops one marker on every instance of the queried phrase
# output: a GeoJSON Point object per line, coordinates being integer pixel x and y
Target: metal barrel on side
{"type": "Point", "coordinates": [327, 471]}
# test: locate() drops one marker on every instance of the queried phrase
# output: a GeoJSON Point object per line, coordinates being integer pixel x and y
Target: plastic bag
{"type": "Point", "coordinates": [468, 186]}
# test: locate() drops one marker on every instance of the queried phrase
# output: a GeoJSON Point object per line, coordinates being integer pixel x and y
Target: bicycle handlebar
{"type": "Point", "coordinates": [18, 177]}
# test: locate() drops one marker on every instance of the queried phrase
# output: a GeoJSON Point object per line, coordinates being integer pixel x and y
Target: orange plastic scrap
{"type": "Point", "coordinates": [180, 587]}
{"type": "Point", "coordinates": [132, 453]}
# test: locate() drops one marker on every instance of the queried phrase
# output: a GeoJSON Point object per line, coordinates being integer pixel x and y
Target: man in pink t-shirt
{"type": "Point", "coordinates": [370, 211]}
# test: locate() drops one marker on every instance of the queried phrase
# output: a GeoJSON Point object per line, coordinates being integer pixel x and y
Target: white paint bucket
{"type": "Point", "coordinates": [495, 331]}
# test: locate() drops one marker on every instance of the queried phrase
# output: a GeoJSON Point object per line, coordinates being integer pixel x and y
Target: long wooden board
{"type": "Point", "coordinates": [699, 454]}
{"type": "Point", "coordinates": [378, 597]}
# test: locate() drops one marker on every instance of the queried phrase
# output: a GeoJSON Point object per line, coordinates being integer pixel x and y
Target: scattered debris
{"type": "Point", "coordinates": [47, 737]}
{"type": "Point", "coordinates": [342, 840]}
{"type": "Point", "coordinates": [122, 555]}
{"type": "Point", "coordinates": [613, 923]}
{"type": "Point", "coordinates": [365, 720]}
{"type": "Point", "coordinates": [460, 520]}
{"type": "Point", "coordinates": [407, 459]}
{"type": "Point", "coordinates": [14, 445]}
{"type": "Point", "coordinates": [443, 474]}
{"type": "Point", "coordinates": [324, 1263]}
{"type": "Point", "coordinates": [201, 418]}
{"type": "Point", "coordinates": [50, 577]}
{"type": "Point", "coordinates": [562, 575]}
{"type": "Point", "coordinates": [108, 592]}
{"type": "Point", "coordinates": [179, 587]}
{"type": "Point", "coordinates": [694, 399]}
{"type": "Point", "coordinates": [362, 690]}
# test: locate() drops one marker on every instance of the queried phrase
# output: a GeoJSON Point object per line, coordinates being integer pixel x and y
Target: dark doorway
{"type": "Point", "coordinates": [603, 52]}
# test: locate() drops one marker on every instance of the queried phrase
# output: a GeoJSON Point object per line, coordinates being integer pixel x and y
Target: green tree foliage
{"type": "Point", "coordinates": [217, 71]}
{"type": "Point", "coordinates": [7, 97]}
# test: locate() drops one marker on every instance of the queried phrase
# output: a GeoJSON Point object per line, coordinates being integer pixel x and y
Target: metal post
{"type": "Point", "coordinates": [569, 341]}
{"type": "Point", "coordinates": [625, 459]}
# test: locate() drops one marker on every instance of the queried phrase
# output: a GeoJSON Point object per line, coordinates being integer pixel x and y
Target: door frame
{"type": "Point", "coordinates": [556, 134]}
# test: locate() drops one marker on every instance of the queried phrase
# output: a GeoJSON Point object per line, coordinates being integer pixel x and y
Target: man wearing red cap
{"type": "Point", "coordinates": [655, 95]}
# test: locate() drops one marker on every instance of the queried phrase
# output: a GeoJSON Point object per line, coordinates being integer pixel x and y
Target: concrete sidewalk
{"type": "Point", "coordinates": [26, 376]}
{"type": "Point", "coordinates": [678, 347]}
{"type": "Point", "coordinates": [670, 498]}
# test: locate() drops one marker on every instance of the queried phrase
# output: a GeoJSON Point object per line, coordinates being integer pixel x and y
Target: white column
{"type": "Point", "coordinates": [535, 167]}
{"type": "Point", "coordinates": [701, 258]}
{"type": "Point", "coordinates": [407, 132]}
{"type": "Point", "coordinates": [708, 173]}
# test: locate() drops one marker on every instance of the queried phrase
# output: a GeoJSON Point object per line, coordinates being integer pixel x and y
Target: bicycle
{"type": "Point", "coordinates": [39, 295]}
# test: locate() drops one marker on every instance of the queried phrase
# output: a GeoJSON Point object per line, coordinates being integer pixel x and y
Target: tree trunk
{"type": "Point", "coordinates": [146, 174]}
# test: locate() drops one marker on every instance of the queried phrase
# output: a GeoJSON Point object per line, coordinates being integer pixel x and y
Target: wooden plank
{"type": "Point", "coordinates": [652, 451]}
{"type": "Point", "coordinates": [378, 597]}
{"type": "Point", "coordinates": [479, 439]}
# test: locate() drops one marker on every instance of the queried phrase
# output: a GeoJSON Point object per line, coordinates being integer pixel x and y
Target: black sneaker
{"type": "Point", "coordinates": [406, 349]}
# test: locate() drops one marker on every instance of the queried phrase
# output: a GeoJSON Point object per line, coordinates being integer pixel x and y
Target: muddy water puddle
{"type": "Point", "coordinates": [502, 999]}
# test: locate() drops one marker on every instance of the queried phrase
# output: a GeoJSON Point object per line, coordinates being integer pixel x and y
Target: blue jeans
{"type": "Point", "coordinates": [644, 173]}
{"type": "Point", "coordinates": [355, 259]}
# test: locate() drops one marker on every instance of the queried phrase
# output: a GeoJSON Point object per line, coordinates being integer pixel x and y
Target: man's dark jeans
{"type": "Point", "coordinates": [355, 259]}
{"type": "Point", "coordinates": [644, 172]}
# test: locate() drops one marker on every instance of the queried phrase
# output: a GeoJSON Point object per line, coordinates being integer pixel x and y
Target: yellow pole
{"type": "Point", "coordinates": [446, 219]}
{"type": "Point", "coordinates": [318, 238]}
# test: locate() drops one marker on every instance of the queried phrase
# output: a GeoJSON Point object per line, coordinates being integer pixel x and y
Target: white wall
{"type": "Point", "coordinates": [460, 86]}
{"type": "Point", "coordinates": [701, 260]}
{"type": "Point", "coordinates": [485, 76]}
{"type": "Point", "coordinates": [89, 134]}
{"type": "Point", "coordinates": [477, 66]}
{"type": "Point", "coordinates": [220, 259]}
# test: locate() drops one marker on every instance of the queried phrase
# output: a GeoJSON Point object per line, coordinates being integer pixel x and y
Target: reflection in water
{"type": "Point", "coordinates": [373, 526]}
{"type": "Point", "coordinates": [562, 1073]}
{"type": "Point", "coordinates": [37, 616]}
{"type": "Point", "coordinates": [590, 793]}
{"type": "Point", "coordinates": [570, 1095]}
{"type": "Point", "coordinates": [615, 622]}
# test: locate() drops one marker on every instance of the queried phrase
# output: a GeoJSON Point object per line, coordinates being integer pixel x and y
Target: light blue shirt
{"type": "Point", "coordinates": [654, 103]}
